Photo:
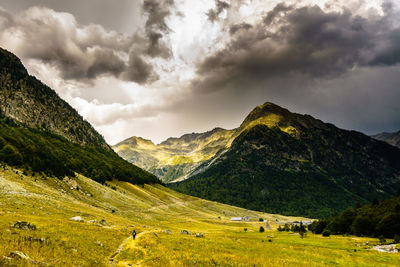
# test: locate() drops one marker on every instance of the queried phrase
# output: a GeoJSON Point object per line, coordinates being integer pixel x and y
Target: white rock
{"type": "Point", "coordinates": [76, 219]}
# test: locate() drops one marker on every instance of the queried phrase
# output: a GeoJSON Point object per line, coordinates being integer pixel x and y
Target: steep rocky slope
{"type": "Point", "coordinates": [27, 100]}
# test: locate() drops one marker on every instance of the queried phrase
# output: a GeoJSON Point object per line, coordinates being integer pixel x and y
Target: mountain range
{"type": "Point", "coordinates": [40, 132]}
{"type": "Point", "coordinates": [390, 138]}
{"type": "Point", "coordinates": [275, 161]}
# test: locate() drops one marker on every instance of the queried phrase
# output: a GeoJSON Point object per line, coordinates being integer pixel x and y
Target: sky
{"type": "Point", "coordinates": [164, 68]}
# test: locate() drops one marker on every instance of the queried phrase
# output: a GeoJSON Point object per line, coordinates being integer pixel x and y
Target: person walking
{"type": "Point", "coordinates": [134, 234]}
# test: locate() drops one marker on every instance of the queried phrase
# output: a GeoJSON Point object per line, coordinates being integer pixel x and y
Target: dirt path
{"type": "Point", "coordinates": [128, 243]}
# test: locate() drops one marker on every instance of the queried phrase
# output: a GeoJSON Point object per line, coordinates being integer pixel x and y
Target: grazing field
{"type": "Point", "coordinates": [160, 216]}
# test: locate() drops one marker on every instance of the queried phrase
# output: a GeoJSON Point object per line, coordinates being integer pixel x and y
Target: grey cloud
{"type": "Point", "coordinates": [306, 41]}
{"type": "Point", "coordinates": [139, 70]}
{"type": "Point", "coordinates": [237, 27]}
{"type": "Point", "coordinates": [390, 55]}
{"type": "Point", "coordinates": [276, 11]}
{"type": "Point", "coordinates": [220, 6]}
{"type": "Point", "coordinates": [106, 61]}
{"type": "Point", "coordinates": [6, 19]}
{"type": "Point", "coordinates": [80, 52]}
{"type": "Point", "coordinates": [156, 26]}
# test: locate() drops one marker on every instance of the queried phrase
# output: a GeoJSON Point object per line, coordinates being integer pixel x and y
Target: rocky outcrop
{"type": "Point", "coordinates": [23, 225]}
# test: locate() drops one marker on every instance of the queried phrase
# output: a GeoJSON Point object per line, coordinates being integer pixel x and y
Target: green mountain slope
{"type": "Point", "coordinates": [390, 138]}
{"type": "Point", "coordinates": [42, 133]}
{"type": "Point", "coordinates": [175, 158]}
{"type": "Point", "coordinates": [295, 164]}
{"type": "Point", "coordinates": [25, 99]}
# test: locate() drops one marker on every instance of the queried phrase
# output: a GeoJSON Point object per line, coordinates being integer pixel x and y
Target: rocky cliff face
{"type": "Point", "coordinates": [27, 100]}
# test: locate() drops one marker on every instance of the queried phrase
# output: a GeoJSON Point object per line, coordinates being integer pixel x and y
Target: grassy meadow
{"type": "Point", "coordinates": [159, 215]}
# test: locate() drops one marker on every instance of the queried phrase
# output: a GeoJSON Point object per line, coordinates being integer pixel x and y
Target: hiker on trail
{"type": "Point", "coordinates": [134, 234]}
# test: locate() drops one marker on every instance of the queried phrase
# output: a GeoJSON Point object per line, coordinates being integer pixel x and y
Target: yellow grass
{"type": "Point", "coordinates": [159, 215]}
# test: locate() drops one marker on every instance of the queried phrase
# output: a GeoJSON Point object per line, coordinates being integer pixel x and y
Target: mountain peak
{"type": "Point", "coordinates": [136, 141]}
{"type": "Point", "coordinates": [269, 114]}
{"type": "Point", "coordinates": [11, 64]}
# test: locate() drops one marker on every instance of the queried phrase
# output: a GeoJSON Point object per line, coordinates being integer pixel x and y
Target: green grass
{"type": "Point", "coordinates": [49, 203]}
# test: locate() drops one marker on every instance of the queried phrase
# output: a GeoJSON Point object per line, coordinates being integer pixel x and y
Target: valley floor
{"type": "Point", "coordinates": [159, 215]}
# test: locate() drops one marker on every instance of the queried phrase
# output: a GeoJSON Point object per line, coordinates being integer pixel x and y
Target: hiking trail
{"type": "Point", "coordinates": [128, 243]}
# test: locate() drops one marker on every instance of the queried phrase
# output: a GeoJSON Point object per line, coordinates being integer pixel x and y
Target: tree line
{"type": "Point", "coordinates": [41, 151]}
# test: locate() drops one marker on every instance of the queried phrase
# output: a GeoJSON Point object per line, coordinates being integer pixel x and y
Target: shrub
{"type": "Point", "coordinates": [389, 224]}
{"type": "Point", "coordinates": [326, 233]}
{"type": "Point", "coordinates": [260, 219]}
{"type": "Point", "coordinates": [396, 239]}
{"type": "Point", "coordinates": [261, 229]}
{"type": "Point", "coordinates": [363, 225]}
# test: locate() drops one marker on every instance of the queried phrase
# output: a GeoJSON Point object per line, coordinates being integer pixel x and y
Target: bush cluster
{"type": "Point", "coordinates": [378, 219]}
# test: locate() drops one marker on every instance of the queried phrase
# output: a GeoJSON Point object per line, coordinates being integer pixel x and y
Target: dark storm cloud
{"type": "Point", "coordinates": [156, 26]}
{"type": "Point", "coordinates": [213, 14]}
{"type": "Point", "coordinates": [80, 52]}
{"type": "Point", "coordinates": [305, 41]}
{"type": "Point", "coordinates": [139, 70]}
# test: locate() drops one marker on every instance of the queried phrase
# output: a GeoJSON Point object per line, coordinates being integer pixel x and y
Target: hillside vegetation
{"type": "Point", "coordinates": [40, 151]}
{"type": "Point", "coordinates": [42, 133]}
{"type": "Point", "coordinates": [159, 215]}
{"type": "Point", "coordinates": [293, 164]}
{"type": "Point", "coordinates": [379, 218]}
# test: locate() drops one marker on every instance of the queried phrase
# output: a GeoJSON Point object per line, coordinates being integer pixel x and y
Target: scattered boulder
{"type": "Point", "coordinates": [99, 243]}
{"type": "Point", "coordinates": [7, 258]}
{"type": "Point", "coordinates": [155, 234]}
{"type": "Point", "coordinates": [24, 225]}
{"type": "Point", "coordinates": [104, 222]}
{"type": "Point", "coordinates": [185, 232]}
{"type": "Point", "coordinates": [92, 221]}
{"type": "Point", "coordinates": [199, 235]}
{"type": "Point", "coordinates": [72, 183]}
{"type": "Point", "coordinates": [169, 232]}
{"type": "Point", "coordinates": [18, 255]}
{"type": "Point", "coordinates": [77, 219]}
